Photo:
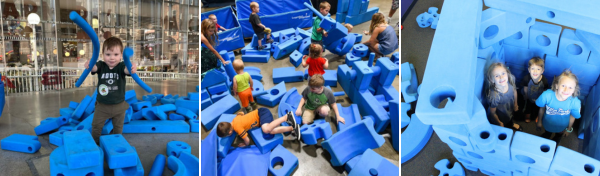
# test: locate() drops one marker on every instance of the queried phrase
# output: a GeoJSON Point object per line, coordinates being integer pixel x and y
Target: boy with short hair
{"type": "Point", "coordinates": [261, 118]}
{"type": "Point", "coordinates": [259, 29]}
{"type": "Point", "coordinates": [316, 100]}
{"type": "Point", "coordinates": [534, 84]}
{"type": "Point", "coordinates": [317, 31]}
{"type": "Point", "coordinates": [110, 101]}
{"type": "Point", "coordinates": [242, 85]}
{"type": "Point", "coordinates": [213, 18]}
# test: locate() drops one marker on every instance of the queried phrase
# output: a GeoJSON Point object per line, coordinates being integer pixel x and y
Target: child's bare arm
{"type": "Point", "coordinates": [246, 142]}
{"type": "Point", "coordinates": [304, 64]}
{"type": "Point", "coordinates": [234, 87]}
{"type": "Point", "coordinates": [87, 66]}
{"type": "Point", "coordinates": [337, 113]}
{"type": "Point", "coordinates": [516, 103]}
{"type": "Point", "coordinates": [326, 64]}
{"type": "Point", "coordinates": [251, 84]}
{"type": "Point", "coordinates": [299, 109]}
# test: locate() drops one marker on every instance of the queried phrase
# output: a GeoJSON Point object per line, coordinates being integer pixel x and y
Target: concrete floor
{"type": "Point", "coordinates": [312, 158]}
{"type": "Point", "coordinates": [415, 46]}
{"type": "Point", "coordinates": [24, 111]}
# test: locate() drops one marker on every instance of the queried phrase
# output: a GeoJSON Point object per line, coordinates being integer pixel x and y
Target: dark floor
{"type": "Point", "coordinates": [24, 111]}
{"type": "Point", "coordinates": [415, 46]}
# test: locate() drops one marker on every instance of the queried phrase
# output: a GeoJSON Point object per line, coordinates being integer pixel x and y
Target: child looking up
{"type": "Point", "coordinates": [533, 84]}
{"type": "Point", "coordinates": [502, 96]}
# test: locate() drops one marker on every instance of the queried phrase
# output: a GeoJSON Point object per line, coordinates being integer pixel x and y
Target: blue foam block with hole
{"type": "Point", "coordinates": [118, 152]}
{"type": "Point", "coordinates": [351, 114]}
{"type": "Point", "coordinates": [394, 122]}
{"type": "Point", "coordinates": [151, 99]}
{"type": "Point", "coordinates": [137, 170]}
{"type": "Point", "coordinates": [287, 47]}
{"type": "Point", "coordinates": [388, 71]}
{"type": "Point", "coordinates": [85, 124]}
{"type": "Point", "coordinates": [265, 142]}
{"type": "Point", "coordinates": [192, 105]}
{"type": "Point", "coordinates": [149, 114]}
{"type": "Point", "coordinates": [231, 164]}
{"type": "Point", "coordinates": [571, 47]}
{"type": "Point", "coordinates": [273, 95]}
{"type": "Point", "coordinates": [287, 74]}
{"type": "Point", "coordinates": [218, 96]}
{"type": "Point", "coordinates": [296, 58]}
{"type": "Point", "coordinates": [189, 115]}
{"type": "Point", "coordinates": [81, 108]}
{"type": "Point", "coordinates": [56, 138]}
{"type": "Point", "coordinates": [282, 155]}
{"type": "Point", "coordinates": [66, 111]}
{"type": "Point", "coordinates": [499, 152]}
{"type": "Point", "coordinates": [175, 148]}
{"type": "Point", "coordinates": [51, 125]}
{"type": "Point", "coordinates": [175, 165]}
{"type": "Point", "coordinates": [337, 32]}
{"type": "Point", "coordinates": [21, 143]}
{"type": "Point", "coordinates": [532, 151]}
{"type": "Point", "coordinates": [312, 132]}
{"type": "Point", "coordinates": [257, 56]}
{"type": "Point", "coordinates": [272, 50]}
{"type": "Point", "coordinates": [544, 37]}
{"type": "Point", "coordinates": [208, 155]}
{"type": "Point", "coordinates": [156, 126]}
{"type": "Point", "coordinates": [351, 59]}
{"type": "Point", "coordinates": [443, 167]}
{"type": "Point", "coordinates": [81, 150]}
{"type": "Point", "coordinates": [140, 105]}
{"type": "Point", "coordinates": [305, 46]}
{"type": "Point", "coordinates": [283, 38]}
{"type": "Point", "coordinates": [567, 161]}
{"type": "Point", "coordinates": [371, 163]}
{"type": "Point", "coordinates": [258, 88]}
{"type": "Point", "coordinates": [191, 163]}
{"type": "Point", "coordinates": [459, 27]}
{"type": "Point", "coordinates": [414, 138]}
{"type": "Point", "coordinates": [363, 17]}
{"type": "Point", "coordinates": [363, 137]}
{"type": "Point", "coordinates": [342, 46]}
{"type": "Point", "coordinates": [360, 50]}
{"type": "Point", "coordinates": [405, 119]}
{"type": "Point", "coordinates": [518, 39]}
{"type": "Point", "coordinates": [330, 77]}
{"type": "Point", "coordinates": [497, 25]}
{"type": "Point", "coordinates": [587, 74]}
{"type": "Point", "coordinates": [254, 73]}
{"type": "Point", "coordinates": [227, 105]}
{"type": "Point", "coordinates": [591, 41]}
{"type": "Point", "coordinates": [194, 126]}
{"type": "Point", "coordinates": [224, 143]}
{"type": "Point", "coordinates": [429, 18]}
{"type": "Point", "coordinates": [59, 164]}
{"type": "Point", "coordinates": [456, 136]}
{"type": "Point", "coordinates": [73, 105]}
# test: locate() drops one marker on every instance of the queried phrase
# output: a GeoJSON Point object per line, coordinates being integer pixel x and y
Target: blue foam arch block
{"type": "Point", "coordinates": [459, 26]}
{"type": "Point", "coordinates": [256, 56]}
{"type": "Point", "coordinates": [254, 73]}
{"type": "Point", "coordinates": [351, 114]}
{"type": "Point", "coordinates": [394, 121]}
{"type": "Point", "coordinates": [191, 163]}
{"type": "Point", "coordinates": [227, 105]}
{"type": "Point", "coordinates": [289, 160]}
{"type": "Point", "coordinates": [155, 126]}
{"type": "Point", "coordinates": [360, 50]}
{"type": "Point", "coordinates": [73, 105]}
{"type": "Point", "coordinates": [51, 125]}
{"type": "Point", "coordinates": [224, 143]}
{"type": "Point", "coordinates": [195, 126]}
{"type": "Point", "coordinates": [188, 104]}
{"type": "Point", "coordinates": [215, 77]}
{"type": "Point", "coordinates": [571, 47]}
{"type": "Point", "coordinates": [528, 148]}
{"type": "Point", "coordinates": [296, 58]}
{"type": "Point", "coordinates": [189, 115]}
{"type": "Point", "coordinates": [137, 170]}
{"type": "Point", "coordinates": [258, 88]}
{"type": "Point", "coordinates": [574, 163]}
{"type": "Point", "coordinates": [81, 108]}
{"type": "Point", "coordinates": [175, 148]}
{"type": "Point", "coordinates": [544, 37]}
{"type": "Point", "coordinates": [231, 165]}
{"type": "Point", "coordinates": [273, 96]}
{"type": "Point", "coordinates": [497, 25]}
{"type": "Point", "coordinates": [175, 165]}
{"type": "Point", "coordinates": [118, 152]}
{"type": "Point", "coordinates": [208, 155]}
{"type": "Point", "coordinates": [414, 138]}
{"type": "Point", "coordinates": [287, 74]}
{"type": "Point", "coordinates": [265, 142]}
{"type": "Point", "coordinates": [21, 143]}
{"type": "Point", "coordinates": [151, 99]}
{"type": "Point", "coordinates": [330, 78]}
{"type": "Point", "coordinates": [312, 132]}
{"type": "Point", "coordinates": [305, 46]}
{"type": "Point", "coordinates": [405, 119]}
{"type": "Point", "coordinates": [59, 164]}
{"type": "Point", "coordinates": [363, 17]}
{"type": "Point", "coordinates": [81, 150]}
{"type": "Point", "coordinates": [56, 138]}
{"type": "Point", "coordinates": [287, 47]}
{"type": "Point", "coordinates": [158, 165]}
{"type": "Point", "coordinates": [363, 137]}
{"type": "Point", "coordinates": [140, 105]}
{"type": "Point", "coordinates": [370, 162]}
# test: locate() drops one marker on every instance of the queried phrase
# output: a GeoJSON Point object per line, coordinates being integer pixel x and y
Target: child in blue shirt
{"type": "Point", "coordinates": [561, 105]}
{"type": "Point", "coordinates": [502, 96]}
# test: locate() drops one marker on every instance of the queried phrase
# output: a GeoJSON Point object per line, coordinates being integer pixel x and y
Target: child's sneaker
{"type": "Point", "coordinates": [269, 40]}
{"type": "Point", "coordinates": [248, 109]}
{"type": "Point", "coordinates": [261, 47]}
{"type": "Point", "coordinates": [253, 104]}
{"type": "Point", "coordinates": [297, 131]}
{"type": "Point", "coordinates": [290, 119]}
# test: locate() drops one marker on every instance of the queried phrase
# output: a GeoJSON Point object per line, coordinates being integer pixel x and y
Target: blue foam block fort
{"type": "Point", "coordinates": [371, 163]}
{"type": "Point", "coordinates": [137, 170]}
{"type": "Point", "coordinates": [81, 150]}
{"type": "Point", "coordinates": [287, 74]}
{"type": "Point", "coordinates": [118, 152]}
{"type": "Point", "coordinates": [21, 143]}
{"type": "Point", "coordinates": [191, 163]}
{"type": "Point", "coordinates": [224, 143]}
{"type": "Point", "coordinates": [155, 126]}
{"type": "Point", "coordinates": [350, 114]}
{"type": "Point", "coordinates": [59, 164]}
{"type": "Point", "coordinates": [363, 17]}
{"type": "Point", "coordinates": [567, 161]}
{"type": "Point", "coordinates": [360, 136]}
{"type": "Point", "coordinates": [415, 136]}
{"type": "Point", "coordinates": [296, 58]}
{"type": "Point", "coordinates": [304, 46]}
{"type": "Point", "coordinates": [311, 133]}
{"type": "Point", "coordinates": [458, 28]}
{"type": "Point", "coordinates": [497, 25]}
{"type": "Point", "coordinates": [532, 151]}
{"type": "Point", "coordinates": [443, 166]}
{"type": "Point", "coordinates": [175, 165]}
{"type": "Point", "coordinates": [282, 155]}
{"type": "Point", "coordinates": [265, 142]}
{"type": "Point", "coordinates": [544, 37]}
{"type": "Point", "coordinates": [287, 47]}
{"type": "Point", "coordinates": [571, 47]}
{"type": "Point", "coordinates": [51, 125]}
{"type": "Point", "coordinates": [56, 138]}
{"type": "Point", "coordinates": [360, 50]}
{"type": "Point", "coordinates": [175, 148]}
{"type": "Point", "coordinates": [270, 99]}
{"type": "Point", "coordinates": [227, 105]}
{"type": "Point", "coordinates": [256, 56]}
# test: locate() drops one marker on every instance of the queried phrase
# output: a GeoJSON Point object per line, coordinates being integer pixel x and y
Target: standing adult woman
{"type": "Point", "coordinates": [208, 54]}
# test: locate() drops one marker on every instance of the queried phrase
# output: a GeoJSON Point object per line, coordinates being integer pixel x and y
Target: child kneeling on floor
{"type": "Point", "coordinates": [261, 118]}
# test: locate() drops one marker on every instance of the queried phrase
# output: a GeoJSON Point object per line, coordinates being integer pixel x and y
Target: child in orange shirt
{"type": "Point", "coordinates": [261, 118]}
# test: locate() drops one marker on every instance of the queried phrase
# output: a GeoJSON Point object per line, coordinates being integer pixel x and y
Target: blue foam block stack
{"type": "Point", "coordinates": [361, 136]}
{"type": "Point", "coordinates": [497, 25]}
{"type": "Point", "coordinates": [21, 143]}
{"type": "Point", "coordinates": [371, 163]}
{"type": "Point", "coordinates": [312, 132]}
{"type": "Point", "coordinates": [156, 126]}
{"type": "Point", "coordinates": [265, 142]}
{"type": "Point", "coordinates": [118, 152]}
{"type": "Point", "coordinates": [80, 149]}
{"type": "Point", "coordinates": [287, 74]}
{"type": "Point", "coordinates": [289, 161]}
{"type": "Point", "coordinates": [543, 37]}
{"type": "Point", "coordinates": [272, 97]}
{"type": "Point", "coordinates": [228, 105]}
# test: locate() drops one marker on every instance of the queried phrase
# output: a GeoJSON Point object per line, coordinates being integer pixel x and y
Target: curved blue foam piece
{"type": "Point", "coordinates": [405, 119]}
{"type": "Point", "coordinates": [273, 96]}
{"type": "Point", "coordinates": [59, 166]}
{"type": "Point", "coordinates": [289, 161]}
{"type": "Point", "coordinates": [74, 16]}
{"type": "Point", "coordinates": [81, 150]}
{"type": "Point", "coordinates": [289, 103]}
{"type": "Point", "coordinates": [128, 52]}
{"type": "Point", "coordinates": [363, 136]}
{"type": "Point", "coordinates": [188, 104]}
{"type": "Point", "coordinates": [312, 132]}
{"type": "Point", "coordinates": [215, 77]}
{"type": "Point", "coordinates": [443, 164]}
{"type": "Point", "coordinates": [156, 126]}
{"type": "Point", "coordinates": [208, 155]}
{"type": "Point", "coordinates": [371, 163]}
{"type": "Point", "coordinates": [50, 125]}
{"type": "Point", "coordinates": [254, 73]}
{"type": "Point", "coordinates": [287, 74]}
{"type": "Point", "coordinates": [227, 105]}
{"type": "Point", "coordinates": [304, 46]}
{"type": "Point", "coordinates": [265, 142]}
{"type": "Point", "coordinates": [360, 50]}
{"type": "Point", "coordinates": [21, 143]}
{"type": "Point", "coordinates": [351, 114]}
{"type": "Point", "coordinates": [141, 105]}
{"type": "Point", "coordinates": [394, 121]}
{"type": "Point", "coordinates": [258, 88]}
{"type": "Point", "coordinates": [158, 166]}
{"type": "Point", "coordinates": [150, 113]}
{"type": "Point", "coordinates": [231, 166]}
{"type": "Point", "coordinates": [175, 165]}
{"type": "Point", "coordinates": [118, 152]}
{"type": "Point", "coordinates": [296, 58]}
{"type": "Point", "coordinates": [191, 163]}
{"type": "Point", "coordinates": [224, 143]}
{"type": "Point", "coordinates": [342, 46]}
{"type": "Point", "coordinates": [137, 170]}
{"type": "Point", "coordinates": [150, 98]}
{"type": "Point", "coordinates": [189, 115]}
{"type": "Point", "coordinates": [414, 138]}
{"type": "Point", "coordinates": [175, 148]}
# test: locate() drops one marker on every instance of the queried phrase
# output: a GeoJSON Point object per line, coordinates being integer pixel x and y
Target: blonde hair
{"type": "Point", "coordinates": [324, 4]}
{"type": "Point", "coordinates": [376, 20]}
{"type": "Point", "coordinates": [253, 5]}
{"type": "Point", "coordinates": [208, 24]}
{"type": "Point", "coordinates": [568, 74]}
{"type": "Point", "coordinates": [238, 65]}
{"type": "Point", "coordinates": [491, 91]}
{"type": "Point", "coordinates": [536, 61]}
{"type": "Point", "coordinates": [315, 51]}
{"type": "Point", "coordinates": [316, 80]}
{"type": "Point", "coordinates": [212, 15]}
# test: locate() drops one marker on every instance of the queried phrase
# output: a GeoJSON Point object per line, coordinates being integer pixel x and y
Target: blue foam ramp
{"type": "Point", "coordinates": [140, 105]}
{"type": "Point", "coordinates": [361, 136]}
{"type": "Point", "coordinates": [208, 155]}
{"type": "Point", "coordinates": [56, 138]}
{"type": "Point", "coordinates": [409, 83]}
{"type": "Point", "coordinates": [370, 162]}
{"type": "Point", "coordinates": [256, 56]}
{"type": "Point", "coordinates": [287, 47]}
{"type": "Point", "coordinates": [86, 124]}
{"type": "Point", "coordinates": [273, 96]}
{"type": "Point", "coordinates": [188, 104]}
{"type": "Point", "coordinates": [21, 143]}
{"type": "Point", "coordinates": [414, 138]}
{"type": "Point", "coordinates": [443, 167]}
{"type": "Point", "coordinates": [118, 152]}
{"type": "Point", "coordinates": [59, 164]}
{"type": "Point", "coordinates": [330, 78]}
{"type": "Point", "coordinates": [66, 111]}
{"type": "Point", "coordinates": [137, 170]}
{"type": "Point", "coordinates": [305, 46]}
{"type": "Point", "coordinates": [51, 125]}
{"type": "Point", "coordinates": [287, 74]}
{"type": "Point", "coordinates": [224, 143]}
{"type": "Point", "coordinates": [227, 105]}
{"type": "Point", "coordinates": [587, 74]}
{"type": "Point", "coordinates": [233, 165]}
{"type": "Point", "coordinates": [296, 58]}
{"type": "Point", "coordinates": [363, 17]}
{"type": "Point", "coordinates": [265, 142]}
{"type": "Point", "coordinates": [81, 108]}
{"type": "Point", "coordinates": [214, 78]}
{"type": "Point", "coordinates": [394, 121]}
{"type": "Point", "coordinates": [532, 151]}
{"type": "Point", "coordinates": [175, 148]}
{"type": "Point", "coordinates": [544, 37]}
{"type": "Point", "coordinates": [458, 27]}
{"type": "Point", "coordinates": [189, 115]}
{"type": "Point", "coordinates": [497, 25]}
{"type": "Point", "coordinates": [567, 161]}
{"type": "Point", "coordinates": [81, 150]}
{"type": "Point", "coordinates": [571, 47]}
{"type": "Point", "coordinates": [289, 161]}
{"type": "Point", "coordinates": [350, 114]}
{"type": "Point", "coordinates": [319, 129]}
{"type": "Point", "coordinates": [155, 126]}
{"type": "Point", "coordinates": [191, 163]}
{"type": "Point", "coordinates": [175, 165]}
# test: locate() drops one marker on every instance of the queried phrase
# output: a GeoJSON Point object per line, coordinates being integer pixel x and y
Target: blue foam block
{"type": "Point", "coordinates": [497, 25]}
{"type": "Point", "coordinates": [354, 7]}
{"type": "Point", "coordinates": [429, 18]}
{"type": "Point", "coordinates": [388, 71]}
{"type": "Point", "coordinates": [73, 105]}
{"type": "Point", "coordinates": [343, 5]}
{"type": "Point", "coordinates": [56, 138]}
{"type": "Point", "coordinates": [66, 111]}
{"type": "Point", "coordinates": [208, 155]}
{"type": "Point", "coordinates": [189, 115]}
{"type": "Point", "coordinates": [158, 165]}
{"type": "Point", "coordinates": [544, 37]}
{"type": "Point", "coordinates": [587, 74]}
{"type": "Point", "coordinates": [342, 46]}
{"type": "Point", "coordinates": [227, 105]}
{"type": "Point", "coordinates": [257, 56]}
{"type": "Point", "coordinates": [128, 115]}
{"type": "Point", "coordinates": [81, 150]}
{"type": "Point", "coordinates": [218, 96]}
{"type": "Point", "coordinates": [337, 32]}
{"type": "Point", "coordinates": [519, 39]}
{"type": "Point", "coordinates": [405, 119]}
{"type": "Point", "coordinates": [232, 165]}
{"type": "Point", "coordinates": [273, 47]}
{"type": "Point", "coordinates": [68, 127]}
{"type": "Point", "coordinates": [254, 42]}
{"type": "Point", "coordinates": [191, 163]}
{"type": "Point", "coordinates": [304, 46]}
{"type": "Point", "coordinates": [443, 166]}
{"type": "Point", "coordinates": [414, 138]}
{"type": "Point", "coordinates": [50, 125]}
{"type": "Point", "coordinates": [150, 113]}
{"type": "Point", "coordinates": [360, 50]}
{"type": "Point", "coordinates": [458, 27]}
{"type": "Point", "coordinates": [108, 127]}
{"type": "Point", "coordinates": [456, 136]}
{"type": "Point", "coordinates": [258, 88]}
{"type": "Point", "coordinates": [361, 18]}
{"type": "Point", "coordinates": [155, 126]}
{"type": "Point", "coordinates": [519, 56]}
{"type": "Point", "coordinates": [171, 100]}
{"type": "Point", "coordinates": [86, 124]}
{"type": "Point", "coordinates": [140, 105]}
{"type": "Point", "coordinates": [81, 108]}
{"type": "Point", "coordinates": [287, 74]}
{"type": "Point", "coordinates": [532, 151]}
{"type": "Point", "coordinates": [371, 163]}
{"type": "Point", "coordinates": [59, 164]}
{"type": "Point", "coordinates": [311, 133]}
{"type": "Point", "coordinates": [352, 163]}
{"type": "Point", "coordinates": [346, 83]}
{"type": "Point", "coordinates": [274, 36]}
{"type": "Point", "coordinates": [137, 170]}
{"type": "Point", "coordinates": [224, 143]}
{"type": "Point", "coordinates": [265, 142]}
{"type": "Point", "coordinates": [303, 33]}
{"type": "Point", "coordinates": [283, 38]}
{"type": "Point", "coordinates": [289, 161]}
{"type": "Point", "coordinates": [296, 58]}
{"type": "Point", "coordinates": [350, 59]}
{"type": "Point", "coordinates": [350, 114]}
{"type": "Point", "coordinates": [360, 75]}
{"type": "Point", "coordinates": [273, 96]}
{"type": "Point", "coordinates": [567, 161]}
{"type": "Point", "coordinates": [21, 143]}
{"type": "Point", "coordinates": [195, 126]}
{"type": "Point", "coordinates": [175, 165]}
{"type": "Point", "coordinates": [340, 17]}
{"type": "Point", "coordinates": [204, 94]}
{"type": "Point", "coordinates": [364, 6]}
{"type": "Point", "coordinates": [175, 148]}
{"type": "Point", "coordinates": [215, 89]}
{"type": "Point", "coordinates": [287, 47]}
{"type": "Point", "coordinates": [128, 94]}
{"type": "Point", "coordinates": [188, 104]}
{"type": "Point", "coordinates": [363, 137]}
{"type": "Point", "coordinates": [358, 37]}
{"type": "Point", "coordinates": [118, 152]}
{"type": "Point", "coordinates": [571, 47]}
{"type": "Point", "coordinates": [151, 99]}
{"type": "Point", "coordinates": [591, 40]}
{"type": "Point", "coordinates": [330, 77]}
{"type": "Point", "coordinates": [394, 118]}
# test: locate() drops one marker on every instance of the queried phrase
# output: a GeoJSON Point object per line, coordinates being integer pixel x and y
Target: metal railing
{"type": "Point", "coordinates": [25, 79]}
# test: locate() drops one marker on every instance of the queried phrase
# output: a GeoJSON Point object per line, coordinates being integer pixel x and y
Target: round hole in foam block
{"type": "Point", "coordinates": [545, 148]}
{"type": "Point", "coordinates": [274, 92]}
{"type": "Point", "coordinates": [518, 35]}
{"type": "Point", "coordinates": [442, 93]}
{"type": "Point", "coordinates": [277, 161]}
{"type": "Point", "coordinates": [490, 32]}
{"type": "Point", "coordinates": [525, 159]}
{"type": "Point", "coordinates": [90, 174]}
{"type": "Point", "coordinates": [120, 150]}
{"type": "Point", "coordinates": [528, 20]}
{"type": "Point", "coordinates": [588, 168]}
{"type": "Point", "coordinates": [551, 14]}
{"type": "Point", "coordinates": [502, 136]}
{"type": "Point", "coordinates": [543, 40]}
{"type": "Point", "coordinates": [268, 136]}
{"type": "Point", "coordinates": [457, 141]}
{"type": "Point", "coordinates": [574, 49]}
{"type": "Point", "coordinates": [484, 135]}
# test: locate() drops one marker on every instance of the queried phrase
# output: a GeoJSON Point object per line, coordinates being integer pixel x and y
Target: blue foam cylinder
{"type": "Point", "coordinates": [158, 166]}
{"type": "Point", "coordinates": [128, 52]}
{"type": "Point", "coordinates": [95, 42]}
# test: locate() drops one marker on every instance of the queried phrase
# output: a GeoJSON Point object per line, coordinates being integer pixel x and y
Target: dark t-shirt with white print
{"type": "Point", "coordinates": [111, 83]}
